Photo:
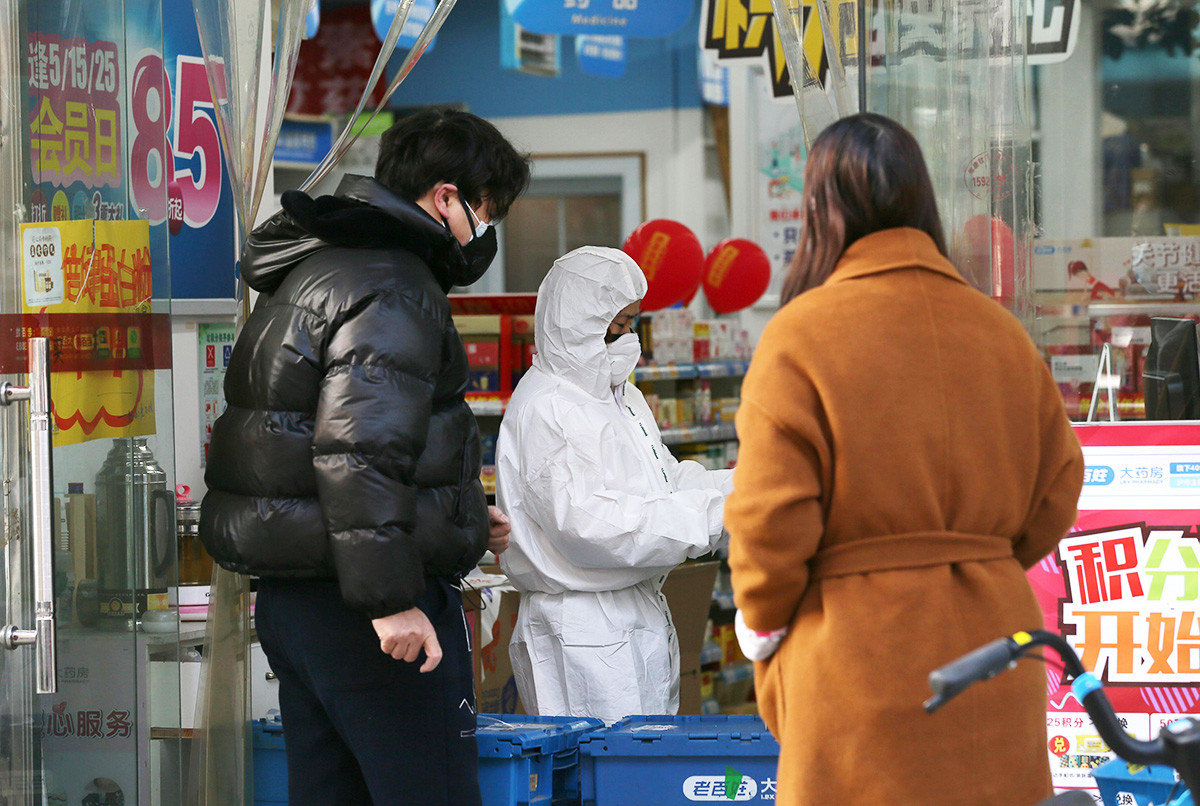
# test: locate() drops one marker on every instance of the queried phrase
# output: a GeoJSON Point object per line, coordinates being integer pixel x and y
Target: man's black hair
{"type": "Point", "coordinates": [442, 144]}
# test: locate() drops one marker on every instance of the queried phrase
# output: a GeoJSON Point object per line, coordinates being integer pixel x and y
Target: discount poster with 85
{"type": "Point", "coordinates": [122, 126]}
{"type": "Point", "coordinates": [1124, 588]}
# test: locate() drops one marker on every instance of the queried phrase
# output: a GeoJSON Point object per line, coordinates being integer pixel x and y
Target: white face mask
{"type": "Point", "coordinates": [623, 355]}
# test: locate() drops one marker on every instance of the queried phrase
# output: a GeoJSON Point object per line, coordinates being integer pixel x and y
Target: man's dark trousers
{"type": "Point", "coordinates": [361, 728]}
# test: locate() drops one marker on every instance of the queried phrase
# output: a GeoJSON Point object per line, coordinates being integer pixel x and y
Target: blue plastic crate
{"type": "Point", "coordinates": [1119, 781]}
{"type": "Point", "coordinates": [667, 760]}
{"type": "Point", "coordinates": [530, 759]}
{"type": "Point", "coordinates": [270, 763]}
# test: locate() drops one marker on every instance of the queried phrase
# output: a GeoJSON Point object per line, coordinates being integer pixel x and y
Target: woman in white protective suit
{"type": "Point", "coordinates": [600, 510]}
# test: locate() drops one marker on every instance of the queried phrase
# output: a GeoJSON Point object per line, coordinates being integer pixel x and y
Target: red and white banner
{"type": "Point", "coordinates": [1124, 588]}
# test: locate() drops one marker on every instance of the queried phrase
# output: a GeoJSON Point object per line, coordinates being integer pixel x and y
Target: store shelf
{"type": "Point", "coordinates": [722, 369]}
{"type": "Point", "coordinates": [699, 433]}
{"type": "Point", "coordinates": [1144, 308]}
{"type": "Point", "coordinates": [670, 372]}
{"type": "Point", "coordinates": [675, 372]}
{"type": "Point", "coordinates": [485, 405]}
{"type": "Point", "coordinates": [473, 304]}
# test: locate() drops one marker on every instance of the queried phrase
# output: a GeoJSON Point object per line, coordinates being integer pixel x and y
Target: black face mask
{"type": "Point", "coordinates": [478, 253]}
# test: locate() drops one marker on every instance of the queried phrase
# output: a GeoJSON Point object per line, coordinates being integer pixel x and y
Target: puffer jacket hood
{"type": "Point", "coordinates": [363, 214]}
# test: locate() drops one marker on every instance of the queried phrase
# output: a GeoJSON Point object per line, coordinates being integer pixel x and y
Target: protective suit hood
{"type": "Point", "coordinates": [577, 301]}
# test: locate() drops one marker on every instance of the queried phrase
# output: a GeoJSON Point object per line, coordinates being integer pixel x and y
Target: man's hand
{"type": "Point", "coordinates": [499, 527]}
{"type": "Point", "coordinates": [402, 635]}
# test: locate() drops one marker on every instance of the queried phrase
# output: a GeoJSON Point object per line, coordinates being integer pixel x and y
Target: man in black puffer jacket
{"type": "Point", "coordinates": [345, 470]}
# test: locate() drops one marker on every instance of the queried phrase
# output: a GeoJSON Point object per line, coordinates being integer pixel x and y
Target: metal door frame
{"type": "Point", "coordinates": [16, 690]}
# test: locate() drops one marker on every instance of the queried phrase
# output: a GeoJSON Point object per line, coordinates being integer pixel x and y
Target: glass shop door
{"type": "Point", "coordinates": [89, 673]}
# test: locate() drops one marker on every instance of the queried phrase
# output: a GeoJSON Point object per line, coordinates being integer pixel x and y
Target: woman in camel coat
{"type": "Point", "coordinates": [905, 457]}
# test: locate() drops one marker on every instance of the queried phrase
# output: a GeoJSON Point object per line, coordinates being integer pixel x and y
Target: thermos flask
{"type": "Point", "coordinates": [135, 532]}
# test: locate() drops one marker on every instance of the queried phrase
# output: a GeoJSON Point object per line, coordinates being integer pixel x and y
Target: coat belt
{"type": "Point", "coordinates": [907, 550]}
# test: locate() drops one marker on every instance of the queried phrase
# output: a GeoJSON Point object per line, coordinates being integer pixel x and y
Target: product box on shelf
{"type": "Point", "coordinates": [679, 760]}
{"type": "Point", "coordinates": [481, 339]}
{"type": "Point", "coordinates": [667, 413]}
{"type": "Point", "coordinates": [483, 380]}
{"type": "Point", "coordinates": [702, 402]}
{"type": "Point", "coordinates": [673, 323]}
{"type": "Point", "coordinates": [482, 353]}
{"type": "Point", "coordinates": [673, 337]}
{"type": "Point", "coordinates": [686, 415]}
{"type": "Point", "coordinates": [497, 339]}
{"type": "Point", "coordinates": [522, 348]}
{"type": "Point", "coordinates": [701, 342]}
{"type": "Point", "coordinates": [725, 409]}
{"type": "Point", "coordinates": [530, 759]}
{"type": "Point", "coordinates": [652, 403]}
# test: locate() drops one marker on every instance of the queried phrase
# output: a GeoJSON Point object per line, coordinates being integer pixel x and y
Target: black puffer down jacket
{"type": "Point", "coordinates": [347, 449]}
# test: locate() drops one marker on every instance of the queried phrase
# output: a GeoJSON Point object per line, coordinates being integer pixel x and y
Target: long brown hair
{"type": "Point", "coordinates": [865, 173]}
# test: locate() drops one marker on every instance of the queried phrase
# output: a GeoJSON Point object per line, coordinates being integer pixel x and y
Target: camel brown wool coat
{"type": "Point", "coordinates": [904, 457]}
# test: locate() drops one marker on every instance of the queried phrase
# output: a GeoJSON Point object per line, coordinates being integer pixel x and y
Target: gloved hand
{"type": "Point", "coordinates": [756, 645]}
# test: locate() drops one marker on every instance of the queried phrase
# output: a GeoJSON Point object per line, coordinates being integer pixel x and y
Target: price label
{"type": "Point", "coordinates": [41, 254]}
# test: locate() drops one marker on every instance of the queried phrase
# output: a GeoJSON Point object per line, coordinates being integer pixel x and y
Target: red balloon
{"type": "Point", "coordinates": [670, 256]}
{"type": "Point", "coordinates": [736, 273]}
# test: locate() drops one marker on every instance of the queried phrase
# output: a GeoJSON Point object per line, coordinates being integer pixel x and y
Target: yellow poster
{"type": "Point", "coordinates": [91, 282]}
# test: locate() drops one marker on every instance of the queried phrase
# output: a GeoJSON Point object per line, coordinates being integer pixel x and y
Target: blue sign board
{"type": "Point", "coordinates": [601, 55]}
{"type": "Point", "coordinates": [313, 21]}
{"type": "Point", "coordinates": [304, 141]}
{"type": "Point", "coordinates": [384, 11]}
{"type": "Point", "coordinates": [642, 18]}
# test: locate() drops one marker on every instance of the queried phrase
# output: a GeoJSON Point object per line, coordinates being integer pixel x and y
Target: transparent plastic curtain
{"type": "Point", "coordinates": [820, 45]}
{"type": "Point", "coordinates": [349, 134]}
{"type": "Point", "coordinates": [232, 33]}
{"type": "Point", "coordinates": [232, 36]}
{"type": "Point", "coordinates": [954, 72]}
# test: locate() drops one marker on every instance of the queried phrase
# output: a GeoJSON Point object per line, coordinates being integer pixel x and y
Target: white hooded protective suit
{"type": "Point", "coordinates": [600, 510]}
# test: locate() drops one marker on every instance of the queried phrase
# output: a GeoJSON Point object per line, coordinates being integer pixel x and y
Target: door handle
{"type": "Point", "coordinates": [43, 635]}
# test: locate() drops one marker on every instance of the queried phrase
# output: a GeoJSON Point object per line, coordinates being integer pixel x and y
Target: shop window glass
{"type": "Point", "coordinates": [1117, 198]}
{"type": "Point", "coordinates": [553, 219]}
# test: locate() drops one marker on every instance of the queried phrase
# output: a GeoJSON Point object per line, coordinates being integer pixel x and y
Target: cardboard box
{"type": "Point", "coordinates": [495, 686]}
{"type": "Point", "coordinates": [689, 596]}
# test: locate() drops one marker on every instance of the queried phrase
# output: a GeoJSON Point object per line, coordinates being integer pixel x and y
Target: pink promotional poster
{"type": "Point", "coordinates": [1124, 589]}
